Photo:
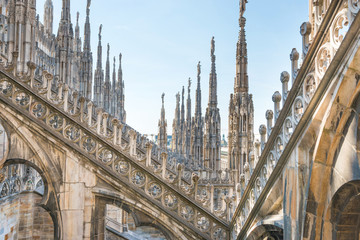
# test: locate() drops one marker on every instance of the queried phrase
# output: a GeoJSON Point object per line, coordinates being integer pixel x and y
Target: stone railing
{"type": "Point", "coordinates": [114, 146]}
{"type": "Point", "coordinates": [318, 55]}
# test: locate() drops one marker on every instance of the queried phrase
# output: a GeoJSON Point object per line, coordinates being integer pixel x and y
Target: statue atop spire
{"type": "Point", "coordinates": [242, 7]}
{"type": "Point", "coordinates": [198, 69]}
{"type": "Point", "coordinates": [100, 29]}
{"type": "Point", "coordinates": [213, 49]}
{"type": "Point", "coordinates": [162, 98]}
{"type": "Point", "coordinates": [88, 5]}
{"type": "Point", "coordinates": [189, 85]}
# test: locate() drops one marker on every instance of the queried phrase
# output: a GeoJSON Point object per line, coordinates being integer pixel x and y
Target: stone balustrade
{"type": "Point", "coordinates": [116, 147]}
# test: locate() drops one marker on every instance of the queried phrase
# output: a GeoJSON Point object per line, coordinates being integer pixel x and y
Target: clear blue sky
{"type": "Point", "coordinates": [162, 41]}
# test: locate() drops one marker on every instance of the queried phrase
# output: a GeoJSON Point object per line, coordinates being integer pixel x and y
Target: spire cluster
{"type": "Point", "coordinates": [65, 56]}
{"type": "Point", "coordinates": [196, 138]}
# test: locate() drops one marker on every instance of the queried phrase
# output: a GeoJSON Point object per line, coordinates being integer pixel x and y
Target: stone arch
{"type": "Point", "coordinates": [49, 200]}
{"type": "Point", "coordinates": [266, 231]}
{"type": "Point", "coordinates": [29, 148]}
{"type": "Point", "coordinates": [4, 142]}
{"type": "Point", "coordinates": [141, 217]}
{"type": "Point", "coordinates": [25, 205]}
{"type": "Point", "coordinates": [10, 162]}
{"type": "Point", "coordinates": [342, 218]}
{"type": "Point", "coordinates": [125, 221]}
{"type": "Point", "coordinates": [334, 161]}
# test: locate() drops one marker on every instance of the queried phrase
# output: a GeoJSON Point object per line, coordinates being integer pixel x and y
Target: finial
{"type": "Point", "coordinates": [108, 49]}
{"type": "Point", "coordinates": [114, 62]}
{"type": "Point", "coordinates": [294, 55]}
{"type": "Point", "coordinates": [100, 29]}
{"type": "Point", "coordinates": [120, 58]}
{"type": "Point", "coordinates": [77, 18]}
{"type": "Point", "coordinates": [178, 97]}
{"type": "Point", "coordinates": [199, 69]}
{"type": "Point", "coordinates": [284, 77]}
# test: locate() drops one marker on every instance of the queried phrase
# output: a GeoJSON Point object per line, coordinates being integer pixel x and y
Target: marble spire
{"type": "Point", "coordinates": [197, 137]}
{"type": "Point", "coordinates": [107, 84]}
{"type": "Point", "coordinates": [212, 136]}
{"type": "Point", "coordinates": [99, 75]}
{"type": "Point", "coordinates": [162, 135]}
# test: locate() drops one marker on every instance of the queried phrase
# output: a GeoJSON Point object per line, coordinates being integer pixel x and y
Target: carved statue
{"type": "Point", "coordinates": [162, 98]}
{"type": "Point", "coordinates": [242, 7]}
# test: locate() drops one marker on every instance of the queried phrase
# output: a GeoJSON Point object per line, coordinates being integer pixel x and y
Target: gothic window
{"type": "Point", "coordinates": [244, 123]}
{"type": "Point", "coordinates": [240, 123]}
